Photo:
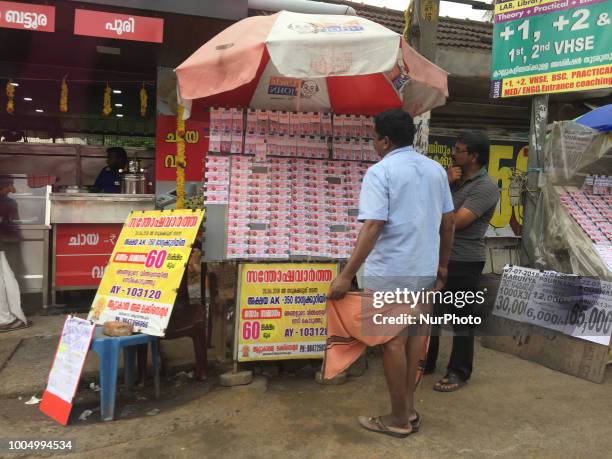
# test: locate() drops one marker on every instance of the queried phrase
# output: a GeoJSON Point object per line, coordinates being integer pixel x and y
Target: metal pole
{"type": "Point", "coordinates": [535, 165]}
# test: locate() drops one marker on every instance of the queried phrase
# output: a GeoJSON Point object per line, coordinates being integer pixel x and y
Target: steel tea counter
{"type": "Point", "coordinates": [85, 229]}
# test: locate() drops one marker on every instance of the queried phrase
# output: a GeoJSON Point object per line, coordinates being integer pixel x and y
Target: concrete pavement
{"type": "Point", "coordinates": [511, 408]}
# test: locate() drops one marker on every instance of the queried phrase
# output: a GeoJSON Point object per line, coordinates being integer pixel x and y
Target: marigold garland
{"type": "Point", "coordinates": [180, 158]}
{"type": "Point", "coordinates": [107, 109]}
{"type": "Point", "coordinates": [63, 105]}
{"type": "Point", "coordinates": [144, 98]}
{"type": "Point", "coordinates": [10, 94]}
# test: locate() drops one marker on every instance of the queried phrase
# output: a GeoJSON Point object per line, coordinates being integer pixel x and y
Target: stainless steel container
{"type": "Point", "coordinates": [133, 183]}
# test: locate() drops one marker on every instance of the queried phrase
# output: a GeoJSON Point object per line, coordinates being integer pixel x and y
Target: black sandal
{"type": "Point", "coordinates": [450, 383]}
{"type": "Point", "coordinates": [416, 422]}
{"type": "Point", "coordinates": [15, 325]}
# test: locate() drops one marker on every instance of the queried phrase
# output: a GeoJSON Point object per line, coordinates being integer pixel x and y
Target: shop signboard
{"type": "Point", "coordinates": [281, 310]}
{"type": "Point", "coordinates": [236, 9]}
{"type": "Point", "coordinates": [196, 146]}
{"type": "Point", "coordinates": [505, 157]}
{"type": "Point", "coordinates": [67, 368]}
{"type": "Point", "coordinates": [119, 26]}
{"type": "Point", "coordinates": [140, 282]}
{"type": "Point", "coordinates": [551, 46]}
{"type": "Point", "coordinates": [82, 252]}
{"type": "Point", "coordinates": [26, 16]}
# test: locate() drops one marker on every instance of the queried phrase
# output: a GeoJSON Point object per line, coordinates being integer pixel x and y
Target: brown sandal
{"type": "Point", "coordinates": [376, 424]}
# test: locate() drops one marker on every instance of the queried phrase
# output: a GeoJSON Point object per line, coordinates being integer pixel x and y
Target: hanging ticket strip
{"type": "Point", "coordinates": [591, 207]}
{"type": "Point", "coordinates": [576, 306]}
{"type": "Point", "coordinates": [292, 181]}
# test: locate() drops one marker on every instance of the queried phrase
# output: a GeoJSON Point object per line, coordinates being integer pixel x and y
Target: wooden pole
{"type": "Point", "coordinates": [421, 33]}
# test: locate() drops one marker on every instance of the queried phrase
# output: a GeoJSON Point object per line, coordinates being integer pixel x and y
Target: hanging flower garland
{"type": "Point", "coordinates": [180, 158]}
{"type": "Point", "coordinates": [10, 94]}
{"type": "Point", "coordinates": [63, 105]}
{"type": "Point", "coordinates": [144, 98]}
{"type": "Point", "coordinates": [107, 109]}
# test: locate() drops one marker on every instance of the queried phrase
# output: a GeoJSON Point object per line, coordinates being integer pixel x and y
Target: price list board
{"type": "Point", "coordinates": [551, 46]}
{"type": "Point", "coordinates": [573, 305]}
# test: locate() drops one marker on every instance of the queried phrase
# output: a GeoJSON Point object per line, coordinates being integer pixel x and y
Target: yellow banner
{"type": "Point", "coordinates": [140, 282]}
{"type": "Point", "coordinates": [514, 5]}
{"type": "Point", "coordinates": [281, 310]}
{"type": "Point", "coordinates": [561, 81]}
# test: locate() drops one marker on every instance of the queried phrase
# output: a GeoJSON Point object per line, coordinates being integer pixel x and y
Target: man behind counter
{"type": "Point", "coordinates": [108, 180]}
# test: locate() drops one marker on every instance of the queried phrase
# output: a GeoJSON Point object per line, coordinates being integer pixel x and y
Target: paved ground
{"type": "Point", "coordinates": [511, 408]}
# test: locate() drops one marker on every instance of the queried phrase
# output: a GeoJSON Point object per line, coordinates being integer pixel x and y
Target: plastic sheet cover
{"type": "Point", "coordinates": [572, 151]}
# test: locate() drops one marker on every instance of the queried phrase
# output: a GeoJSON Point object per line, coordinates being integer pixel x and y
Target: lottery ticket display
{"type": "Point", "coordinates": [291, 181]}
{"type": "Point", "coordinates": [299, 207]}
{"type": "Point", "coordinates": [592, 210]}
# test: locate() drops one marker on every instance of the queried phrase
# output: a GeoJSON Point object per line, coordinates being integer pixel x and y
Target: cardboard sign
{"type": "Point", "coordinates": [140, 283]}
{"type": "Point", "coordinates": [67, 368]}
{"type": "Point", "coordinates": [281, 311]}
{"type": "Point", "coordinates": [118, 26]}
{"type": "Point", "coordinates": [569, 304]}
{"type": "Point", "coordinates": [25, 16]}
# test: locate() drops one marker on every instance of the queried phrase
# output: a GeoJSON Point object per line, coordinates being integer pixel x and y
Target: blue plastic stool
{"type": "Point", "coordinates": [108, 348]}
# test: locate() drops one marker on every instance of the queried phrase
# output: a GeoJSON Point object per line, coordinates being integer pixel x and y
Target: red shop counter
{"type": "Point", "coordinates": [85, 229]}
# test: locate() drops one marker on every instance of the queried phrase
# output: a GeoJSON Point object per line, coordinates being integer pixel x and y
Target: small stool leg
{"type": "Point", "coordinates": [109, 363]}
{"type": "Point", "coordinates": [129, 360]}
{"type": "Point", "coordinates": [142, 350]}
{"type": "Point", "coordinates": [155, 357]}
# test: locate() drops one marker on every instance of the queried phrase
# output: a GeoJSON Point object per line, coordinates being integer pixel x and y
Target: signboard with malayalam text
{"type": "Point", "coordinates": [82, 252]}
{"type": "Point", "coordinates": [26, 16]}
{"type": "Point", "coordinates": [551, 46]}
{"type": "Point", "coordinates": [196, 146]}
{"type": "Point", "coordinates": [119, 26]}
{"type": "Point", "coordinates": [281, 310]}
{"type": "Point", "coordinates": [140, 282]}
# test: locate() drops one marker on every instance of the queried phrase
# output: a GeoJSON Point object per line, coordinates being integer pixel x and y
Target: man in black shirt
{"type": "Point", "coordinates": [109, 180]}
{"type": "Point", "coordinates": [475, 197]}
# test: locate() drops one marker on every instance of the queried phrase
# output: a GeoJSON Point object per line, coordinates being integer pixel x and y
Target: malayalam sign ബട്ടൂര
{"type": "Point", "coordinates": [281, 310]}
{"type": "Point", "coordinates": [551, 46]}
{"type": "Point", "coordinates": [140, 282]}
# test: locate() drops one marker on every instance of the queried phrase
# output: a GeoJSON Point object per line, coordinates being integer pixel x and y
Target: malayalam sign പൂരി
{"type": "Point", "coordinates": [145, 270]}
{"type": "Point", "coordinates": [281, 310]}
{"type": "Point", "coordinates": [551, 46]}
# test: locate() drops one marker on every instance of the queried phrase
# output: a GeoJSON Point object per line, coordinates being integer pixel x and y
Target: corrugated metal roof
{"type": "Point", "coordinates": [452, 32]}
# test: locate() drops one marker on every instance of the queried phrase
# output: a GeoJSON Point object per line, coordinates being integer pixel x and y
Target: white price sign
{"type": "Point", "coordinates": [570, 304]}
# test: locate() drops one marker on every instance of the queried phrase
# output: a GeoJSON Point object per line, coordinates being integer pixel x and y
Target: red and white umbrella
{"type": "Point", "coordinates": [310, 62]}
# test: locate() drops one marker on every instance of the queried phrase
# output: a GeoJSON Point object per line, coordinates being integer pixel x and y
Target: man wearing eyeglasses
{"type": "Point", "coordinates": [475, 197]}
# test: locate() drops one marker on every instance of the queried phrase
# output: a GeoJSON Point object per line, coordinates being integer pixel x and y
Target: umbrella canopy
{"type": "Point", "coordinates": [310, 62]}
{"type": "Point", "coordinates": [600, 118]}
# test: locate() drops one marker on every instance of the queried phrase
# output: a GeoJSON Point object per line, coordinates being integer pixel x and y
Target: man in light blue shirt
{"type": "Point", "coordinates": [405, 241]}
